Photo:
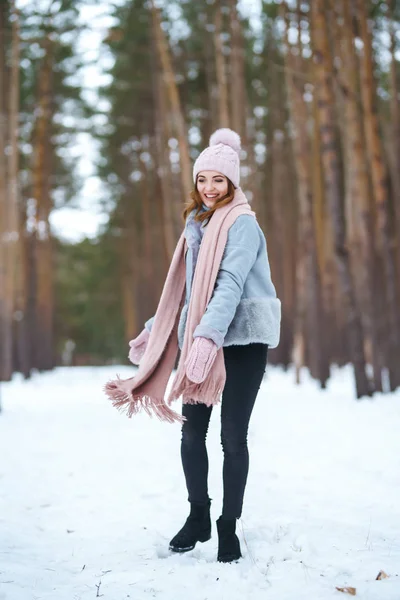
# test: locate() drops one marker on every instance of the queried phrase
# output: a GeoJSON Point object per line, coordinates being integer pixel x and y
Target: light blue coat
{"type": "Point", "coordinates": [244, 308]}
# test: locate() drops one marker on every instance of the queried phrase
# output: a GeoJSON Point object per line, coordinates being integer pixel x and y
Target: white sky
{"type": "Point", "coordinates": [75, 223]}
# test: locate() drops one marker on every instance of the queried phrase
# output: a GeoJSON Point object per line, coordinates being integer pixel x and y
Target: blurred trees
{"type": "Point", "coordinates": [10, 251]}
{"type": "Point", "coordinates": [312, 88]}
{"type": "Point", "coordinates": [38, 95]}
{"type": "Point", "coordinates": [309, 93]}
{"type": "Point", "coordinates": [87, 276]}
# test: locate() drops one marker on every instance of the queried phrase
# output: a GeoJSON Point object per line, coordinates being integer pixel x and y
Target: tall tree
{"type": "Point", "coordinates": [7, 239]}
{"type": "Point", "coordinates": [380, 184]}
{"type": "Point", "coordinates": [395, 123]}
{"type": "Point", "coordinates": [330, 160]}
{"type": "Point", "coordinates": [309, 301]}
{"type": "Point", "coordinates": [177, 113]}
{"type": "Point", "coordinates": [360, 236]}
{"type": "Point", "coordinates": [239, 103]}
{"type": "Point", "coordinates": [222, 84]}
{"type": "Point", "coordinates": [41, 172]}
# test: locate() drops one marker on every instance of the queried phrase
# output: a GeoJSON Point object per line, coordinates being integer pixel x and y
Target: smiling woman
{"type": "Point", "coordinates": [212, 186]}
{"type": "Point", "coordinates": [219, 306]}
{"type": "Point", "coordinates": [216, 173]}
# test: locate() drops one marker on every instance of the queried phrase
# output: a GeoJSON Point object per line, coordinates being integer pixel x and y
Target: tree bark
{"type": "Point", "coordinates": [14, 241]}
{"type": "Point", "coordinates": [175, 103]}
{"type": "Point", "coordinates": [146, 223]}
{"type": "Point", "coordinates": [168, 203]}
{"type": "Point", "coordinates": [41, 169]}
{"type": "Point", "coordinates": [128, 270]}
{"type": "Point", "coordinates": [390, 328]}
{"type": "Point", "coordinates": [308, 296]}
{"type": "Point", "coordinates": [330, 160]}
{"type": "Point", "coordinates": [5, 234]}
{"type": "Point", "coordinates": [280, 248]}
{"type": "Point", "coordinates": [237, 73]}
{"type": "Point", "coordinates": [223, 110]}
{"type": "Point", "coordinates": [395, 128]}
{"type": "Point", "coordinates": [361, 243]}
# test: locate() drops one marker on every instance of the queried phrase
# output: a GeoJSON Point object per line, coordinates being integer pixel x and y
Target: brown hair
{"type": "Point", "coordinates": [197, 203]}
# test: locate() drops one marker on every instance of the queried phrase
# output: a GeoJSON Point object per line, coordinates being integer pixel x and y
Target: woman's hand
{"type": "Point", "coordinates": [138, 347]}
{"type": "Point", "coordinates": [200, 360]}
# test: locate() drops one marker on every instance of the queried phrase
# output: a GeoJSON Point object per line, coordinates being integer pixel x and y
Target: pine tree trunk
{"type": "Point", "coordinates": [160, 252]}
{"type": "Point", "coordinates": [21, 332]}
{"type": "Point", "coordinates": [324, 243]}
{"type": "Point", "coordinates": [223, 110]}
{"type": "Point", "coordinates": [128, 262]}
{"type": "Point", "coordinates": [390, 327]}
{"type": "Point", "coordinates": [131, 261]}
{"type": "Point", "coordinates": [237, 74]}
{"type": "Point", "coordinates": [168, 200]}
{"type": "Point", "coordinates": [43, 265]}
{"type": "Point", "coordinates": [362, 243]}
{"type": "Point", "coordinates": [146, 224]}
{"type": "Point", "coordinates": [330, 161]}
{"type": "Point", "coordinates": [280, 223]}
{"type": "Point", "coordinates": [13, 240]}
{"type": "Point", "coordinates": [308, 296]}
{"type": "Point", "coordinates": [395, 128]}
{"type": "Point", "coordinates": [211, 91]}
{"type": "Point", "coordinates": [318, 190]}
{"type": "Point", "coordinates": [280, 258]}
{"type": "Point", "coordinates": [242, 117]}
{"type": "Point", "coordinates": [175, 103]}
{"type": "Point", "coordinates": [5, 240]}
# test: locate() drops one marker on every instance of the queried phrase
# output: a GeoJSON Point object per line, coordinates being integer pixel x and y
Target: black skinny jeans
{"type": "Point", "coordinates": [245, 367]}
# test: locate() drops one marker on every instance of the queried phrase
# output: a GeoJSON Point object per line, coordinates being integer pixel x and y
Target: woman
{"type": "Point", "coordinates": [220, 306]}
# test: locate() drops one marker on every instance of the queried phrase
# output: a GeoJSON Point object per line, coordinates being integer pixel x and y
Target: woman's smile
{"type": "Point", "coordinates": [211, 186]}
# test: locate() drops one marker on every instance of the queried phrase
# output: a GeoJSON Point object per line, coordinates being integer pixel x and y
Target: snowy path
{"type": "Point", "coordinates": [90, 498]}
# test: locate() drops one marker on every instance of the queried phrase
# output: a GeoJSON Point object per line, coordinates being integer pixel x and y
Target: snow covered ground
{"type": "Point", "coordinates": [89, 499]}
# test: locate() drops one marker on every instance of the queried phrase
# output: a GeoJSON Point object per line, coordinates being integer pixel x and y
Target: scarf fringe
{"type": "Point", "coordinates": [130, 404]}
{"type": "Point", "coordinates": [208, 392]}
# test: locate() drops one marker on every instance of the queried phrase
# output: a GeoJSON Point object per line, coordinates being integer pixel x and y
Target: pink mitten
{"type": "Point", "coordinates": [200, 360]}
{"type": "Point", "coordinates": [138, 347]}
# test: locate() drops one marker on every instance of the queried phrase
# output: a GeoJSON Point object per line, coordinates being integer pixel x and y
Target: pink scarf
{"type": "Point", "coordinates": [147, 389]}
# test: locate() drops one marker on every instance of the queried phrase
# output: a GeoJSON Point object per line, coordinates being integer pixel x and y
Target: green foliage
{"type": "Point", "coordinates": [129, 95]}
{"type": "Point", "coordinates": [88, 305]}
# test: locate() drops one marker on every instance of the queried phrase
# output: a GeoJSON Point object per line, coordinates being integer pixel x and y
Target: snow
{"type": "Point", "coordinates": [90, 499]}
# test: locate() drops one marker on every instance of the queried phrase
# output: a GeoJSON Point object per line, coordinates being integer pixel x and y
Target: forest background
{"type": "Point", "coordinates": [312, 87]}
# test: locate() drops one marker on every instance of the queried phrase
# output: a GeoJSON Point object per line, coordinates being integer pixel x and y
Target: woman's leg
{"type": "Point", "coordinates": [197, 527]}
{"type": "Point", "coordinates": [245, 367]}
{"type": "Point", "coordinates": [194, 451]}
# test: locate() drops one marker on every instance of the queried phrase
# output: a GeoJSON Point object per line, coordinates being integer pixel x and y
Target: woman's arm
{"type": "Point", "coordinates": [239, 256]}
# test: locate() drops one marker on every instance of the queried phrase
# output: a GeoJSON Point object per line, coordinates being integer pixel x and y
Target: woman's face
{"type": "Point", "coordinates": [211, 186]}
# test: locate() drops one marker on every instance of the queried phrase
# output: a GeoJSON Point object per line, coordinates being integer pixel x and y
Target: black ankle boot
{"type": "Point", "coordinates": [196, 529]}
{"type": "Point", "coordinates": [228, 542]}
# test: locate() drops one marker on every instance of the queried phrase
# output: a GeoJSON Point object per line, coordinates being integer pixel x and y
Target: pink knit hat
{"type": "Point", "coordinates": [221, 155]}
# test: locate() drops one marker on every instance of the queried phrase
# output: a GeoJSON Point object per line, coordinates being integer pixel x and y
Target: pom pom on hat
{"type": "Point", "coordinates": [223, 155]}
{"type": "Point", "coordinates": [226, 136]}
